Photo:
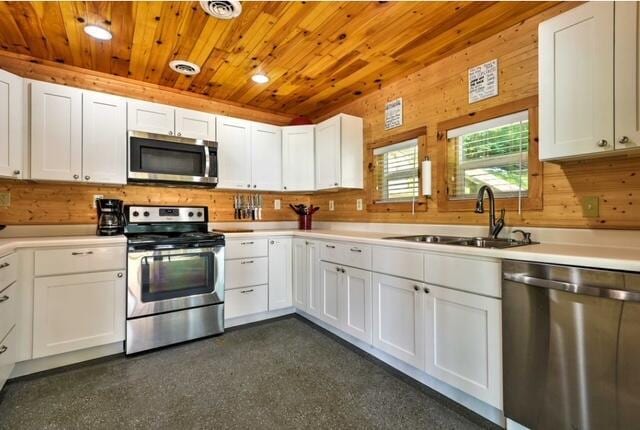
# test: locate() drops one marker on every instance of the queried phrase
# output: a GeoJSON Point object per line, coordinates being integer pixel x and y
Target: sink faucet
{"type": "Point", "coordinates": [494, 226]}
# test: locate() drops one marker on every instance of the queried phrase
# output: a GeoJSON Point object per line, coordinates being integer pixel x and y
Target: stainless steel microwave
{"type": "Point", "coordinates": [172, 160]}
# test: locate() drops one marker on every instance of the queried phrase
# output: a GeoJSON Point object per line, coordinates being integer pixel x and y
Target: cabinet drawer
{"type": "Point", "coordinates": [8, 270]}
{"type": "Point", "coordinates": [78, 260]}
{"type": "Point", "coordinates": [466, 274]}
{"type": "Point", "coordinates": [8, 308]}
{"type": "Point", "coordinates": [8, 346]}
{"type": "Point", "coordinates": [349, 254]}
{"type": "Point", "coordinates": [245, 301]}
{"type": "Point", "coordinates": [246, 272]}
{"type": "Point", "coordinates": [246, 248]}
{"type": "Point", "coordinates": [399, 262]}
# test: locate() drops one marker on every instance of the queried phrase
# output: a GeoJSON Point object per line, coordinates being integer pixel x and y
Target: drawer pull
{"type": "Point", "coordinates": [246, 243]}
{"type": "Point", "coordinates": [416, 287]}
{"type": "Point", "coordinates": [247, 262]}
{"type": "Point", "coordinates": [4, 299]}
{"type": "Point", "coordinates": [4, 265]}
{"type": "Point", "coordinates": [356, 250]}
{"type": "Point", "coordinates": [426, 290]}
{"type": "Point", "coordinates": [3, 349]}
{"type": "Point", "coordinates": [82, 253]}
{"type": "Point", "coordinates": [331, 246]}
{"type": "Point", "coordinates": [247, 291]}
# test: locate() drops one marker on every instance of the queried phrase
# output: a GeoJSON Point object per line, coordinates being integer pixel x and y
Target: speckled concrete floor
{"type": "Point", "coordinates": [277, 375]}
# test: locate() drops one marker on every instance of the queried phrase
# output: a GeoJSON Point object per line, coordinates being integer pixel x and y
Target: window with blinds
{"type": "Point", "coordinates": [493, 152]}
{"type": "Point", "coordinates": [396, 172]}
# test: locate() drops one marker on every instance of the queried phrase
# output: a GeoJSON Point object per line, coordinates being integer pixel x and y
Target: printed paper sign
{"type": "Point", "coordinates": [393, 114]}
{"type": "Point", "coordinates": [483, 81]}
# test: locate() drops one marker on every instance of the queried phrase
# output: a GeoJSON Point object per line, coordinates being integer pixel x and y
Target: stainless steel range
{"type": "Point", "coordinates": [175, 276]}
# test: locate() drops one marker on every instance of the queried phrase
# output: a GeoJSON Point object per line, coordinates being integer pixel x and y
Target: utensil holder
{"type": "Point", "coordinates": [304, 222]}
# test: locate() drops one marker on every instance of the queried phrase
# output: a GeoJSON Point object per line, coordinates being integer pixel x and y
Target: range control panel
{"type": "Point", "coordinates": [156, 214]}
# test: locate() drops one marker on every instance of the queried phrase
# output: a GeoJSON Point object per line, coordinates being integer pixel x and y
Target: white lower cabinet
{"type": "Point", "coordinates": [398, 327]}
{"type": "Point", "coordinates": [79, 311]}
{"type": "Point", "coordinates": [463, 342]}
{"type": "Point", "coordinates": [356, 300]}
{"type": "Point", "coordinates": [246, 301]}
{"type": "Point", "coordinates": [330, 290]}
{"type": "Point", "coordinates": [299, 274]}
{"type": "Point", "coordinates": [307, 293]}
{"type": "Point", "coordinates": [7, 355]}
{"type": "Point", "coordinates": [279, 273]}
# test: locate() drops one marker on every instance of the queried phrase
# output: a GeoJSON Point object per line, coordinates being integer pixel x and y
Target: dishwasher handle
{"type": "Point", "coordinates": [569, 287]}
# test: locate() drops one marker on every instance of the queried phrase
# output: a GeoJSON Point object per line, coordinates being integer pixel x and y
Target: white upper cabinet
{"type": "Point", "coordinates": [298, 158]}
{"type": "Point", "coordinates": [627, 75]}
{"type": "Point", "coordinates": [280, 273]}
{"type": "Point", "coordinates": [11, 125]}
{"type": "Point", "coordinates": [266, 157]}
{"type": "Point", "coordinates": [234, 153]}
{"type": "Point", "coordinates": [104, 138]}
{"type": "Point", "coordinates": [576, 76]}
{"type": "Point", "coordinates": [150, 117]}
{"type": "Point", "coordinates": [56, 132]}
{"type": "Point", "coordinates": [195, 124]}
{"type": "Point", "coordinates": [339, 152]}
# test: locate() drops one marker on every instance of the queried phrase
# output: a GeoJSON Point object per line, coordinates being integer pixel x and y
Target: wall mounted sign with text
{"type": "Point", "coordinates": [483, 81]}
{"type": "Point", "coordinates": [393, 114]}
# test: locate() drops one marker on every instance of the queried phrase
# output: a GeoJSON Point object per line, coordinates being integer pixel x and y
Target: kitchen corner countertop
{"type": "Point", "coordinates": [613, 258]}
{"type": "Point", "coordinates": [10, 244]}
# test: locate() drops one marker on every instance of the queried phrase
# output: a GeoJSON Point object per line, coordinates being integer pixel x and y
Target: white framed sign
{"type": "Point", "coordinates": [393, 114]}
{"type": "Point", "coordinates": [483, 81]}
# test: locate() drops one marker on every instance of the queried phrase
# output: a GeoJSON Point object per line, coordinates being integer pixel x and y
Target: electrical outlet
{"type": "Point", "coordinates": [96, 197]}
{"type": "Point", "coordinates": [332, 205]}
{"type": "Point", "coordinates": [359, 204]}
{"type": "Point", "coordinates": [5, 199]}
{"type": "Point", "coordinates": [591, 206]}
{"type": "Point", "coordinates": [277, 204]}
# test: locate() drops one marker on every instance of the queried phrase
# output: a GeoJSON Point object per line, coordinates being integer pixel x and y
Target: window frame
{"type": "Point", "coordinates": [420, 203]}
{"type": "Point", "coordinates": [533, 200]}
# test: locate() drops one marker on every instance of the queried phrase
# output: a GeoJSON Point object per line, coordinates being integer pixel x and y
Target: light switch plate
{"type": "Point", "coordinates": [96, 197]}
{"type": "Point", "coordinates": [332, 205]}
{"type": "Point", "coordinates": [276, 204]}
{"type": "Point", "coordinates": [5, 199]}
{"type": "Point", "coordinates": [359, 204]}
{"type": "Point", "coordinates": [590, 206]}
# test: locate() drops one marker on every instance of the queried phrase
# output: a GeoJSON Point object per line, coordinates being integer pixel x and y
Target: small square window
{"type": "Point", "coordinates": [396, 172]}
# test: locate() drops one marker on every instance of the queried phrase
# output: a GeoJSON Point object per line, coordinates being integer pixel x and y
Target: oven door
{"type": "Point", "coordinates": [171, 279]}
{"type": "Point", "coordinates": [172, 159]}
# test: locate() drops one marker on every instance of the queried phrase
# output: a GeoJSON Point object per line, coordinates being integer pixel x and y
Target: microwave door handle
{"type": "Point", "coordinates": [207, 161]}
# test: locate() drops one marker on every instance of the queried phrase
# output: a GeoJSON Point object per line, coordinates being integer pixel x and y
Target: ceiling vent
{"type": "Point", "coordinates": [184, 67]}
{"type": "Point", "coordinates": [223, 9]}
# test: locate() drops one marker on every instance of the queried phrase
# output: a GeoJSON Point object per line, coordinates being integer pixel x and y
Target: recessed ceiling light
{"type": "Point", "coordinates": [97, 32]}
{"type": "Point", "coordinates": [184, 67]}
{"type": "Point", "coordinates": [260, 78]}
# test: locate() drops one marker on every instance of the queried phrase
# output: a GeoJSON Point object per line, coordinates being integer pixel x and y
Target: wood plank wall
{"type": "Point", "coordinates": [439, 92]}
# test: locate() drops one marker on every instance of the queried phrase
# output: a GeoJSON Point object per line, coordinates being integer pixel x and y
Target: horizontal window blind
{"type": "Point", "coordinates": [396, 171]}
{"type": "Point", "coordinates": [494, 153]}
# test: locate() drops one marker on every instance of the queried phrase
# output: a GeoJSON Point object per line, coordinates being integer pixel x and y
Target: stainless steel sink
{"type": "Point", "coordinates": [476, 242]}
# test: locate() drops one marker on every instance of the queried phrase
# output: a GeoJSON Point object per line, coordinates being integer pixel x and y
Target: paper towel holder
{"type": "Point", "coordinates": [426, 177]}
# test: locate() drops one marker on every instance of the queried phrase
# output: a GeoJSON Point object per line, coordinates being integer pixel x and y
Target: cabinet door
{"type": "Point", "coordinates": [297, 158]}
{"type": "Point", "coordinates": [300, 274]}
{"type": "Point", "coordinates": [150, 117]}
{"type": "Point", "coordinates": [75, 312]}
{"type": "Point", "coordinates": [56, 132]}
{"type": "Point", "coordinates": [576, 75]}
{"type": "Point", "coordinates": [627, 75]}
{"type": "Point", "coordinates": [356, 301]}
{"type": "Point", "coordinates": [314, 285]}
{"type": "Point", "coordinates": [398, 318]}
{"type": "Point", "coordinates": [330, 281]}
{"type": "Point", "coordinates": [234, 153]}
{"type": "Point", "coordinates": [266, 157]}
{"type": "Point", "coordinates": [327, 154]}
{"type": "Point", "coordinates": [279, 274]}
{"type": "Point", "coordinates": [104, 138]}
{"type": "Point", "coordinates": [464, 342]}
{"type": "Point", "coordinates": [195, 124]}
{"type": "Point", "coordinates": [11, 125]}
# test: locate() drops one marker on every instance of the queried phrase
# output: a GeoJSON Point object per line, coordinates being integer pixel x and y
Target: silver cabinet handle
{"type": "Point", "coordinates": [356, 250]}
{"type": "Point", "coordinates": [16, 172]}
{"type": "Point", "coordinates": [120, 275]}
{"type": "Point", "coordinates": [285, 187]}
{"type": "Point", "coordinates": [82, 253]}
{"type": "Point", "coordinates": [602, 143]}
{"type": "Point", "coordinates": [624, 140]}
{"type": "Point", "coordinates": [76, 176]}
{"type": "Point", "coordinates": [416, 287]}
{"type": "Point", "coordinates": [179, 134]}
{"type": "Point", "coordinates": [331, 246]}
{"type": "Point", "coordinates": [170, 133]}
{"type": "Point", "coordinates": [307, 242]}
{"type": "Point", "coordinates": [246, 291]}
{"type": "Point", "coordinates": [247, 262]}
{"type": "Point", "coordinates": [335, 183]}
{"type": "Point", "coordinates": [248, 185]}
{"type": "Point", "coordinates": [4, 265]}
{"type": "Point", "coordinates": [246, 243]}
{"type": "Point", "coordinates": [426, 290]}
{"type": "Point", "coordinates": [4, 299]}
{"type": "Point", "coordinates": [3, 349]}
{"type": "Point", "coordinates": [87, 177]}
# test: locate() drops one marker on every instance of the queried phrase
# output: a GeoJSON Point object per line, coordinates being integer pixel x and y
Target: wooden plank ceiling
{"type": "Point", "coordinates": [318, 55]}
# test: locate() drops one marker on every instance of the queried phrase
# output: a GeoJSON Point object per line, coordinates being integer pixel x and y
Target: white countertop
{"type": "Point", "coordinates": [8, 245]}
{"type": "Point", "coordinates": [614, 258]}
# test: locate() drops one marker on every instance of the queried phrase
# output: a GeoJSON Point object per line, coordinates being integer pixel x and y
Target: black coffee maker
{"type": "Point", "coordinates": [110, 217]}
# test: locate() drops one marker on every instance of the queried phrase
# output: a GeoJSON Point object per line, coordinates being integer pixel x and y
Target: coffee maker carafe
{"type": "Point", "coordinates": [110, 217]}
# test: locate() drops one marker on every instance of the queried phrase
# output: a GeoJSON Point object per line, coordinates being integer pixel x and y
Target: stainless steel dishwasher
{"type": "Point", "coordinates": [571, 346]}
